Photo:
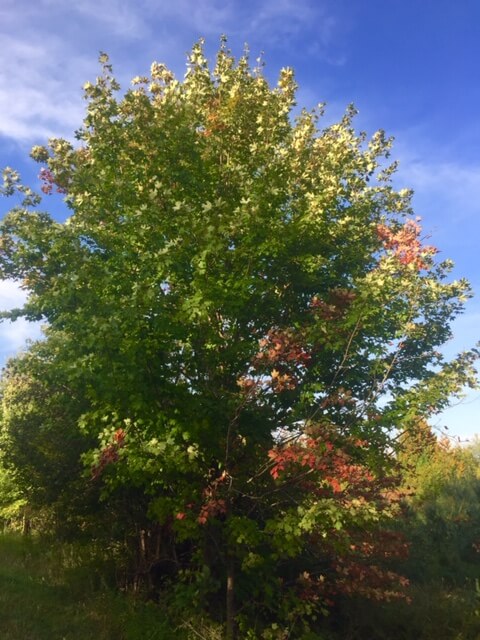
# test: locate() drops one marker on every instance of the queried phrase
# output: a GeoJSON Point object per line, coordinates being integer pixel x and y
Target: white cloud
{"type": "Point", "coordinates": [11, 295]}
{"type": "Point", "coordinates": [450, 182]}
{"type": "Point", "coordinates": [14, 335]}
{"type": "Point", "coordinates": [271, 19]}
{"type": "Point", "coordinates": [439, 172]}
{"type": "Point", "coordinates": [446, 197]}
{"type": "Point", "coordinates": [49, 50]}
{"type": "Point", "coordinates": [278, 20]}
{"type": "Point", "coordinates": [50, 47]}
{"type": "Point", "coordinates": [40, 95]}
{"type": "Point", "coordinates": [119, 17]}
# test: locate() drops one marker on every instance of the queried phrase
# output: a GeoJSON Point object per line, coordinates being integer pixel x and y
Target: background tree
{"type": "Point", "coordinates": [444, 514]}
{"type": "Point", "coordinates": [246, 314]}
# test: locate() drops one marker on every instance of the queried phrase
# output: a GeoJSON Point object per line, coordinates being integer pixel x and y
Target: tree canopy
{"type": "Point", "coordinates": [241, 317]}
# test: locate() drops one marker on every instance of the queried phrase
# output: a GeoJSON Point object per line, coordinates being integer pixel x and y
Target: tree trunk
{"type": "Point", "coordinates": [230, 599]}
{"type": "Point", "coordinates": [26, 525]}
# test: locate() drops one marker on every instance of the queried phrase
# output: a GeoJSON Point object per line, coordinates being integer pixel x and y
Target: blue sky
{"type": "Point", "coordinates": [410, 67]}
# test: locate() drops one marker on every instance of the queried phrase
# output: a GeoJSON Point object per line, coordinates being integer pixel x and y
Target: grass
{"type": "Point", "coordinates": [61, 592]}
{"type": "Point", "coordinates": [436, 613]}
{"type": "Point", "coordinates": [43, 599]}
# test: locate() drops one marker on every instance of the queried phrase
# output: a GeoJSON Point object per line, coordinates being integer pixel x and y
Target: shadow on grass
{"type": "Point", "coordinates": [35, 605]}
{"type": "Point", "coordinates": [44, 597]}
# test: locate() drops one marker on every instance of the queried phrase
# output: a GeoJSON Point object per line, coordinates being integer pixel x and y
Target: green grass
{"type": "Point", "coordinates": [43, 599]}
{"type": "Point", "coordinates": [435, 613]}
{"type": "Point", "coordinates": [61, 592]}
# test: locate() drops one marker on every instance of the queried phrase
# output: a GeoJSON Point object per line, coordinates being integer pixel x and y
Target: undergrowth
{"type": "Point", "coordinates": [53, 592]}
{"type": "Point", "coordinates": [60, 591]}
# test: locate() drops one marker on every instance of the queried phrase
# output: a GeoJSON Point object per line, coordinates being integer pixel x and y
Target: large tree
{"type": "Point", "coordinates": [247, 310]}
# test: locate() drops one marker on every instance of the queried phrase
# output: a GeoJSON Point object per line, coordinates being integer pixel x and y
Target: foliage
{"type": "Point", "coordinates": [441, 524]}
{"type": "Point", "coordinates": [39, 435]}
{"type": "Point", "coordinates": [241, 312]}
{"type": "Point", "coordinates": [444, 513]}
{"type": "Point", "coordinates": [12, 503]}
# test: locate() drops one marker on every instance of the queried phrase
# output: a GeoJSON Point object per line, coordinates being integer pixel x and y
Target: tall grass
{"type": "Point", "coordinates": [52, 592]}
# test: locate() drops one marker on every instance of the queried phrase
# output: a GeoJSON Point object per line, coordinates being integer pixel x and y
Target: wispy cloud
{"type": "Point", "coordinates": [452, 182]}
{"type": "Point", "coordinates": [269, 20]}
{"type": "Point", "coordinates": [446, 195]}
{"type": "Point", "coordinates": [206, 17]}
{"type": "Point", "coordinates": [118, 17]}
{"type": "Point", "coordinates": [49, 47]}
{"type": "Point", "coordinates": [39, 93]}
{"type": "Point", "coordinates": [282, 20]}
{"type": "Point", "coordinates": [462, 417]}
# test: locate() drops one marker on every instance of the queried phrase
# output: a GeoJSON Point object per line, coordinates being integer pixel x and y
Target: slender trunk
{"type": "Point", "coordinates": [230, 599]}
{"type": "Point", "coordinates": [143, 547]}
{"type": "Point", "coordinates": [25, 524]}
